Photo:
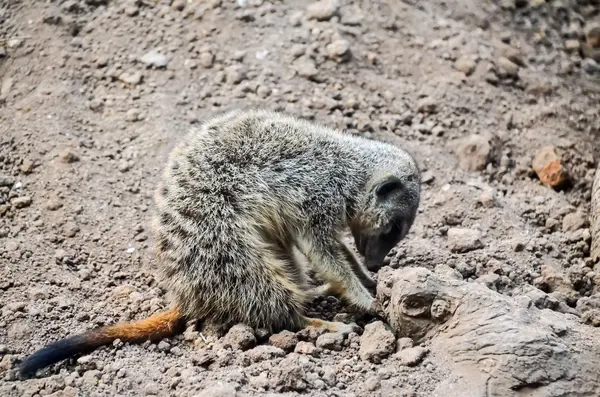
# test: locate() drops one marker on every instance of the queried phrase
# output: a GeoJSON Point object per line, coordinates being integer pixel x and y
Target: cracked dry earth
{"type": "Point", "coordinates": [498, 101]}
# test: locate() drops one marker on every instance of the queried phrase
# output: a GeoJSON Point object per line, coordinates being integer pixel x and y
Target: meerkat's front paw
{"type": "Point", "coordinates": [376, 308]}
{"type": "Point", "coordinates": [363, 300]}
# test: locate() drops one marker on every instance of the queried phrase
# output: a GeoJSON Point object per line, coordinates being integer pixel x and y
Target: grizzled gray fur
{"type": "Point", "coordinates": [252, 198]}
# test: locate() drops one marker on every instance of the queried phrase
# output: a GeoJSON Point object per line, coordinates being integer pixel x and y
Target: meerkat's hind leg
{"type": "Point", "coordinates": [302, 260]}
{"type": "Point", "coordinates": [331, 326]}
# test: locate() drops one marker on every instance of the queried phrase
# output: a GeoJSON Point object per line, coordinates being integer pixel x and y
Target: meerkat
{"type": "Point", "coordinates": [240, 197]}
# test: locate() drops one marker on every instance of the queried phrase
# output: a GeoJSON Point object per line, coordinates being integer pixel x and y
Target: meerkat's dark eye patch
{"type": "Point", "coordinates": [388, 186]}
{"type": "Point", "coordinates": [394, 231]}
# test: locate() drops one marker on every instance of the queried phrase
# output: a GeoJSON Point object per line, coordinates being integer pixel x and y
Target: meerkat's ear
{"type": "Point", "coordinates": [387, 186]}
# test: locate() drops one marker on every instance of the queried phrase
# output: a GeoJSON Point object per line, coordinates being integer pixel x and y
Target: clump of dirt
{"type": "Point", "coordinates": [94, 93]}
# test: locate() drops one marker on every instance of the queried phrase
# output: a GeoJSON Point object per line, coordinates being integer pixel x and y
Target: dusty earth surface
{"type": "Point", "coordinates": [95, 92]}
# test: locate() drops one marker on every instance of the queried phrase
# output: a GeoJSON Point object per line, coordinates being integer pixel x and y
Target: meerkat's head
{"type": "Point", "coordinates": [388, 207]}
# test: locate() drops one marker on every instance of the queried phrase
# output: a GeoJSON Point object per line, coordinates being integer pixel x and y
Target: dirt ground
{"type": "Point", "coordinates": [95, 92]}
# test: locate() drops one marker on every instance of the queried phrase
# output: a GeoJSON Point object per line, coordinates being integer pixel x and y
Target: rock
{"type": "Point", "coordinates": [574, 221]}
{"type": "Point", "coordinates": [71, 229]}
{"type": "Point", "coordinates": [178, 5]}
{"type": "Point", "coordinates": [90, 378]}
{"type": "Point", "coordinates": [552, 279]}
{"type": "Point", "coordinates": [240, 337]}
{"type": "Point", "coordinates": [330, 341]}
{"type": "Point", "coordinates": [306, 348]}
{"type": "Point", "coordinates": [17, 306]}
{"type": "Point", "coordinates": [285, 340]}
{"type": "Point", "coordinates": [465, 64]}
{"type": "Point", "coordinates": [514, 55]}
{"type": "Point", "coordinates": [96, 105]}
{"type": "Point", "coordinates": [235, 74]}
{"type": "Point", "coordinates": [412, 356]}
{"type": "Point", "coordinates": [7, 362]}
{"type": "Point", "coordinates": [259, 382]}
{"type": "Point", "coordinates": [352, 17]}
{"type": "Point", "coordinates": [566, 67]}
{"type": "Point", "coordinates": [38, 294]}
{"type": "Point", "coordinates": [427, 105]}
{"type": "Point", "coordinates": [204, 358]}
{"type": "Point", "coordinates": [52, 19]}
{"type": "Point", "coordinates": [6, 180]}
{"type": "Point", "coordinates": [164, 346]}
{"type": "Point", "coordinates": [14, 43]}
{"type": "Point", "coordinates": [289, 375]}
{"type": "Point", "coordinates": [151, 389]}
{"type": "Point", "coordinates": [5, 88]}
{"type": "Point", "coordinates": [154, 58]}
{"type": "Point", "coordinates": [508, 67]}
{"type": "Point", "coordinates": [206, 59]}
{"type": "Point", "coordinates": [339, 50]}
{"type": "Point", "coordinates": [572, 45]}
{"type": "Point", "coordinates": [404, 343]}
{"type": "Point", "coordinates": [547, 164]}
{"type": "Point", "coordinates": [27, 166]}
{"type": "Point", "coordinates": [322, 10]}
{"type": "Point", "coordinates": [539, 89]}
{"type": "Point", "coordinates": [295, 19]}
{"type": "Point", "coordinates": [68, 156]}
{"type": "Point", "coordinates": [191, 64]}
{"type": "Point", "coordinates": [466, 269]}
{"type": "Point", "coordinates": [376, 343]}
{"type": "Point", "coordinates": [133, 78]}
{"type": "Point", "coordinates": [132, 10]}
{"type": "Point", "coordinates": [428, 177]}
{"type": "Point", "coordinates": [487, 198]}
{"type": "Point", "coordinates": [372, 383]}
{"type": "Point", "coordinates": [538, 297]}
{"type": "Point", "coordinates": [473, 153]}
{"type": "Point", "coordinates": [589, 307]}
{"type": "Point", "coordinates": [264, 352]}
{"type": "Point", "coordinates": [21, 202]}
{"type": "Point", "coordinates": [102, 61]}
{"type": "Point", "coordinates": [219, 389]}
{"type": "Point", "coordinates": [134, 115]}
{"type": "Point", "coordinates": [125, 165]}
{"type": "Point", "coordinates": [463, 240]}
{"type": "Point", "coordinates": [66, 392]}
{"type": "Point", "coordinates": [485, 335]}
{"type": "Point", "coordinates": [305, 67]}
{"type": "Point", "coordinates": [590, 66]}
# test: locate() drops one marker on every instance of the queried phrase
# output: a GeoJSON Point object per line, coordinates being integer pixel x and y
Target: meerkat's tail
{"type": "Point", "coordinates": [155, 327]}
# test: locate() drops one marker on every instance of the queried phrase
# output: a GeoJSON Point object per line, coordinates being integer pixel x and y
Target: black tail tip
{"type": "Point", "coordinates": [52, 354]}
{"type": "Point", "coordinates": [25, 371]}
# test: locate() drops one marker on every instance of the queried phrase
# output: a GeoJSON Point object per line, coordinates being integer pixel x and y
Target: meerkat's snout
{"type": "Point", "coordinates": [396, 199]}
{"type": "Point", "coordinates": [376, 247]}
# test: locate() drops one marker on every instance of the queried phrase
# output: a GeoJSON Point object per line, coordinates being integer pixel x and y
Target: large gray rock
{"type": "Point", "coordinates": [494, 345]}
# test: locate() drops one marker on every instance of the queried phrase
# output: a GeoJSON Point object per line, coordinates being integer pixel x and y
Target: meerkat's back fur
{"type": "Point", "coordinates": [240, 194]}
